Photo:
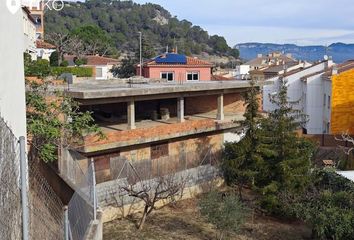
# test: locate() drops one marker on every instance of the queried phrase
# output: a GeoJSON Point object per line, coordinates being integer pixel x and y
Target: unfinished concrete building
{"type": "Point", "coordinates": [156, 127]}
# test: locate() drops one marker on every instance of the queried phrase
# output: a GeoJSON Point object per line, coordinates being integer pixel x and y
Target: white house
{"type": "Point", "coordinates": [44, 49]}
{"type": "Point", "coordinates": [12, 83]}
{"type": "Point", "coordinates": [311, 92]}
{"type": "Point", "coordinates": [102, 65]}
{"type": "Point", "coordinates": [242, 71]}
{"type": "Point", "coordinates": [29, 33]}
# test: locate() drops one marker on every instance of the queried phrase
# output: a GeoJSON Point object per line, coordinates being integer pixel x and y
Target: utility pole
{"type": "Point", "coordinates": [141, 51]}
{"type": "Point", "coordinates": [24, 196]}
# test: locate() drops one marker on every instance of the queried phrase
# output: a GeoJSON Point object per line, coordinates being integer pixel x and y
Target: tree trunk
{"type": "Point", "coordinates": [142, 220]}
{"type": "Point", "coordinates": [60, 57]}
{"type": "Point", "coordinates": [240, 186]}
{"type": "Point", "coordinates": [221, 235]}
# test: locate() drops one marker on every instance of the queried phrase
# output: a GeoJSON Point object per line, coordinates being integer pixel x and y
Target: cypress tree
{"type": "Point", "coordinates": [287, 157]}
{"type": "Point", "coordinates": [240, 159]}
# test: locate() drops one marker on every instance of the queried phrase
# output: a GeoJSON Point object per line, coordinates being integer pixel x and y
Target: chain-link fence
{"type": "Point", "coordinates": [198, 167]}
{"type": "Point", "coordinates": [79, 173]}
{"type": "Point", "coordinates": [10, 195]}
{"type": "Point", "coordinates": [82, 206]}
{"type": "Point", "coordinates": [43, 218]}
{"type": "Point", "coordinates": [46, 214]}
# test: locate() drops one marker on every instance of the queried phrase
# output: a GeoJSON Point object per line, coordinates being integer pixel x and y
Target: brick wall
{"type": "Point", "coordinates": [327, 140]}
{"type": "Point", "coordinates": [233, 103]}
{"type": "Point", "coordinates": [143, 109]}
{"type": "Point", "coordinates": [135, 136]}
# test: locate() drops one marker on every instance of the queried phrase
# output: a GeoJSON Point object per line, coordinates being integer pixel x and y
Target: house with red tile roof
{"type": "Point", "coordinates": [44, 49]}
{"type": "Point", "coordinates": [102, 65]}
{"type": "Point", "coordinates": [175, 67]}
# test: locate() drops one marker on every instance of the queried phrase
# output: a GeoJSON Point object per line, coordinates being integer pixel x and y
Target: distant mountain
{"type": "Point", "coordinates": [340, 52]}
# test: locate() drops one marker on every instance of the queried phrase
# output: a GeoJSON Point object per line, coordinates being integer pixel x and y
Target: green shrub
{"type": "Point", "coordinates": [327, 206]}
{"type": "Point", "coordinates": [80, 61]}
{"type": "Point", "coordinates": [64, 64]}
{"type": "Point", "coordinates": [54, 59]}
{"type": "Point", "coordinates": [39, 68]}
{"type": "Point", "coordinates": [227, 213]}
{"type": "Point", "coordinates": [77, 71]}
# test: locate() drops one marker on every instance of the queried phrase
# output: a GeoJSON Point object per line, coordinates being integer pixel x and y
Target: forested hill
{"type": "Point", "coordinates": [122, 20]}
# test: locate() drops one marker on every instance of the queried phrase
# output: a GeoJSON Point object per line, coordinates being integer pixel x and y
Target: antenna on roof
{"type": "Point", "coordinates": [326, 52]}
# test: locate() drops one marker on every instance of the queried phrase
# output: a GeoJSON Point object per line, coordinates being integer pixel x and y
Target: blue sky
{"type": "Point", "coordinates": [303, 22]}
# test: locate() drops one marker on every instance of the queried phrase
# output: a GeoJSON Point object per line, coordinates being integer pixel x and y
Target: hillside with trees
{"type": "Point", "coordinates": [121, 21]}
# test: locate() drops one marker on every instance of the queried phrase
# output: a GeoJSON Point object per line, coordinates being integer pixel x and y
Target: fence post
{"type": "Point", "coordinates": [66, 223]}
{"type": "Point", "coordinates": [24, 196]}
{"type": "Point", "coordinates": [94, 190]}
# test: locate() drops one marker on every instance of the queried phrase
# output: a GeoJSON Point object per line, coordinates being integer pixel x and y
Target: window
{"type": "Point", "coordinates": [329, 102]}
{"type": "Point", "coordinates": [324, 100]}
{"type": "Point", "coordinates": [103, 167]}
{"type": "Point", "coordinates": [37, 19]}
{"type": "Point", "coordinates": [169, 76]}
{"type": "Point", "coordinates": [159, 150]}
{"type": "Point", "coordinates": [99, 72]}
{"type": "Point", "coordinates": [193, 76]}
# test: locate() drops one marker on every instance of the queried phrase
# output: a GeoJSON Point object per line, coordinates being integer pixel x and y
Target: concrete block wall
{"type": "Point", "coordinates": [198, 145]}
{"type": "Point", "coordinates": [115, 203]}
{"type": "Point", "coordinates": [95, 232]}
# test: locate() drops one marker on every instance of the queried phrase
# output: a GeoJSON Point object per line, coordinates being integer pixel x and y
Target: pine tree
{"type": "Point", "coordinates": [240, 159]}
{"type": "Point", "coordinates": [287, 157]}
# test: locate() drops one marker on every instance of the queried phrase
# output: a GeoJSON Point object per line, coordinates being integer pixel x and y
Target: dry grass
{"type": "Point", "coordinates": [182, 221]}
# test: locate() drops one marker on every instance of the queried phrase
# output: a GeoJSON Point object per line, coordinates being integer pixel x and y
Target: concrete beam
{"type": "Point", "coordinates": [220, 115]}
{"type": "Point", "coordinates": [102, 101]}
{"type": "Point", "coordinates": [109, 89]}
{"type": "Point", "coordinates": [131, 114]}
{"type": "Point", "coordinates": [180, 109]}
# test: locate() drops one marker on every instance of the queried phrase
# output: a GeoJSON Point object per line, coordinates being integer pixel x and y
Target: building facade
{"type": "Point", "coordinates": [340, 98]}
{"type": "Point", "coordinates": [36, 8]}
{"type": "Point", "coordinates": [158, 127]}
{"type": "Point", "coordinates": [12, 83]}
{"type": "Point", "coordinates": [324, 92]}
{"type": "Point", "coordinates": [29, 33]}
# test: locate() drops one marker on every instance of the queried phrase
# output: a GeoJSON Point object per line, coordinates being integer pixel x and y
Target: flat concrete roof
{"type": "Point", "coordinates": [347, 174]}
{"type": "Point", "coordinates": [115, 89]}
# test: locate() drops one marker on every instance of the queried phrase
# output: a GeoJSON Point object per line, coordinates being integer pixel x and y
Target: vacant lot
{"type": "Point", "coordinates": [183, 221]}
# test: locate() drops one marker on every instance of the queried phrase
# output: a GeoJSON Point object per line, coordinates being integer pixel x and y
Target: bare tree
{"type": "Point", "coordinates": [76, 47]}
{"type": "Point", "coordinates": [163, 187]}
{"type": "Point", "coordinates": [345, 137]}
{"type": "Point", "coordinates": [66, 44]}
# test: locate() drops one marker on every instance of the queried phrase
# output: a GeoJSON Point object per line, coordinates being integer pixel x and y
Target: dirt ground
{"type": "Point", "coordinates": [182, 221]}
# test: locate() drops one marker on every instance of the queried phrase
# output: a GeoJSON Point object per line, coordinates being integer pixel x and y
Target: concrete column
{"type": "Point", "coordinates": [131, 115]}
{"type": "Point", "coordinates": [180, 109]}
{"type": "Point", "coordinates": [221, 115]}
